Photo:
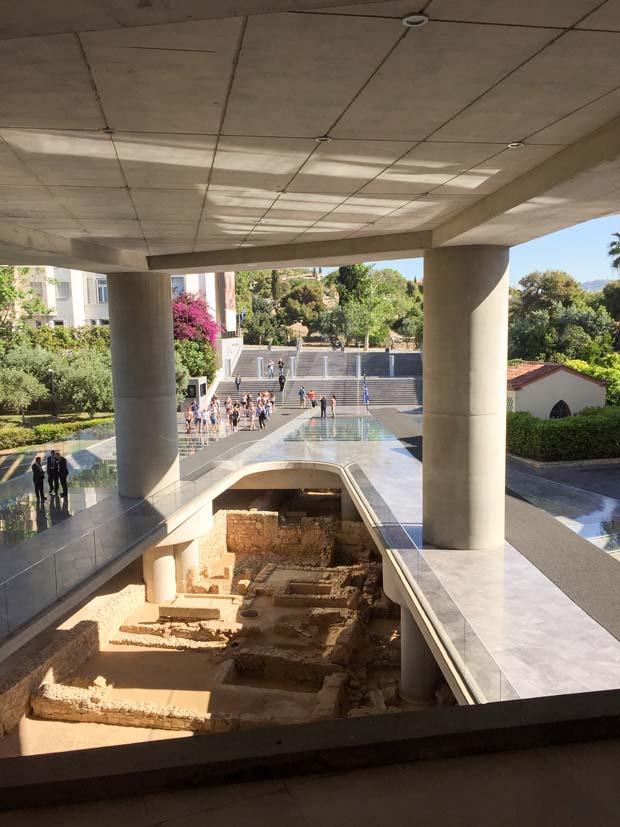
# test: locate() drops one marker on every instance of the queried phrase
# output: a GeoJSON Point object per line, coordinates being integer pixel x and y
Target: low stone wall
{"type": "Point", "coordinates": [67, 650]}
{"type": "Point", "coordinates": [56, 702]}
{"type": "Point", "coordinates": [93, 704]}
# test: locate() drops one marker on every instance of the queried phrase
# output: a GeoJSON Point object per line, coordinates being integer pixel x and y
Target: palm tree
{"type": "Point", "coordinates": [613, 250]}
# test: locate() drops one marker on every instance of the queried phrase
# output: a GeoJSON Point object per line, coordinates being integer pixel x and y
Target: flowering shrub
{"type": "Point", "coordinates": [192, 319]}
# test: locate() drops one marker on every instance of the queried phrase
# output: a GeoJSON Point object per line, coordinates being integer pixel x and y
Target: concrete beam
{"type": "Point", "coordinates": [25, 245]}
{"type": "Point", "coordinates": [339, 251]}
{"type": "Point", "coordinates": [598, 147]}
{"type": "Point", "coordinates": [39, 17]}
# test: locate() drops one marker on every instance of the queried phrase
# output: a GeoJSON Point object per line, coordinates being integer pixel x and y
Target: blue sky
{"type": "Point", "coordinates": [580, 251]}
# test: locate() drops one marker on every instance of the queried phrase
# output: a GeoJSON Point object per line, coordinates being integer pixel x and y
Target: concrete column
{"type": "Point", "coordinates": [348, 511]}
{"type": "Point", "coordinates": [292, 367]}
{"type": "Point", "coordinates": [464, 427]}
{"type": "Point", "coordinates": [259, 367]}
{"type": "Point", "coordinates": [358, 365]}
{"type": "Point", "coordinates": [391, 364]}
{"type": "Point", "coordinates": [325, 367]}
{"type": "Point", "coordinates": [145, 406]}
{"type": "Point", "coordinates": [159, 571]}
{"type": "Point", "coordinates": [419, 672]}
{"type": "Point", "coordinates": [187, 562]}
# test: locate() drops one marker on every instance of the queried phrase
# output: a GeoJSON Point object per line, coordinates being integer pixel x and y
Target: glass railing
{"type": "Point", "coordinates": [36, 587]}
{"type": "Point", "coordinates": [477, 666]}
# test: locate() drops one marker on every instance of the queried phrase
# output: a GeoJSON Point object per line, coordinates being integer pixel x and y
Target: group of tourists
{"type": "Point", "coordinates": [231, 414]}
{"type": "Point", "coordinates": [310, 396]}
{"type": "Point", "coordinates": [57, 472]}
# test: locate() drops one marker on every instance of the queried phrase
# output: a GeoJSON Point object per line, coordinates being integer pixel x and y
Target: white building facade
{"type": "Point", "coordinates": [76, 298]}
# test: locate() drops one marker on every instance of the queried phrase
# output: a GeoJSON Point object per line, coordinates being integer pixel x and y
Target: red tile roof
{"type": "Point", "coordinates": [527, 372]}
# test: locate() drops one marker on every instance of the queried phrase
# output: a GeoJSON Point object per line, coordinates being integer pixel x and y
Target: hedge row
{"type": "Point", "coordinates": [15, 437]}
{"type": "Point", "coordinates": [592, 434]}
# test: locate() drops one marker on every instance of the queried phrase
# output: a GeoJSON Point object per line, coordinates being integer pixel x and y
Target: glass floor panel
{"type": "Point", "coordinates": [340, 429]}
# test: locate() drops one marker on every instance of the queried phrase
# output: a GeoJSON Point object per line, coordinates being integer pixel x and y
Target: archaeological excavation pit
{"type": "Point", "coordinates": [284, 622]}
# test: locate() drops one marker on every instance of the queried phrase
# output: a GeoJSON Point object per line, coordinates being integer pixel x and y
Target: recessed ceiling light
{"type": "Point", "coordinates": [323, 139]}
{"type": "Point", "coordinates": [414, 21]}
{"type": "Point", "coordinates": [107, 130]}
{"type": "Point", "coordinates": [515, 145]}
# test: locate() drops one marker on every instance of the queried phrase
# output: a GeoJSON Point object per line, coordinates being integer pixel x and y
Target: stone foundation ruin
{"type": "Point", "coordinates": [286, 622]}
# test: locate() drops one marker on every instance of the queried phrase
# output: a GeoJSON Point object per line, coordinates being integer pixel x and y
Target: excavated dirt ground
{"type": "Point", "coordinates": [280, 642]}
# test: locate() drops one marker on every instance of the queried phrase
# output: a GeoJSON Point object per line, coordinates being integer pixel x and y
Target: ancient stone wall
{"type": "Point", "coordinates": [249, 532]}
{"type": "Point", "coordinates": [212, 545]}
{"type": "Point", "coordinates": [67, 650]}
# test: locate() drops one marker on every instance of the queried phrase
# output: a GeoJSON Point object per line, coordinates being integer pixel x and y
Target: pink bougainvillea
{"type": "Point", "coordinates": [192, 319]}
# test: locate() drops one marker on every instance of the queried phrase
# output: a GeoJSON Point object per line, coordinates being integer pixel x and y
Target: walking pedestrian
{"type": "Point", "coordinates": [38, 476]}
{"type": "Point", "coordinates": [333, 405]}
{"type": "Point", "coordinates": [280, 367]}
{"type": "Point", "coordinates": [252, 416]}
{"type": "Point", "coordinates": [270, 368]}
{"type": "Point", "coordinates": [323, 407]}
{"type": "Point", "coordinates": [282, 381]}
{"type": "Point", "coordinates": [188, 420]}
{"type": "Point", "coordinates": [63, 472]}
{"type": "Point", "coordinates": [234, 418]}
{"type": "Point", "coordinates": [261, 414]}
{"type": "Point", "coordinates": [302, 397]}
{"type": "Point", "coordinates": [238, 382]}
{"type": "Point", "coordinates": [366, 397]}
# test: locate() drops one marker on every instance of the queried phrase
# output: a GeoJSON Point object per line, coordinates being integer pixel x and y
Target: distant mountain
{"type": "Point", "coordinates": [595, 284]}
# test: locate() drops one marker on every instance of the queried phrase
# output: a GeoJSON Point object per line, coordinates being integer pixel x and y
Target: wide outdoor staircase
{"type": "Point", "coordinates": [382, 392]}
{"type": "Point", "coordinates": [403, 389]}
{"type": "Point", "coordinates": [311, 362]}
{"type": "Point", "coordinates": [252, 386]}
{"type": "Point", "coordinates": [246, 365]}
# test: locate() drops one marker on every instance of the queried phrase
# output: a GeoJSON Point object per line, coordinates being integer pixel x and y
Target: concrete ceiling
{"type": "Point", "coordinates": [144, 133]}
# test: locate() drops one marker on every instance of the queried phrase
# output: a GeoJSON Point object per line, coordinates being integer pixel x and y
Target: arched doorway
{"type": "Point", "coordinates": [560, 410]}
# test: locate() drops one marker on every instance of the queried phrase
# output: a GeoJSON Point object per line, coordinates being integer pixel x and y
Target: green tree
{"type": "Point", "coordinates": [275, 286]}
{"type": "Point", "coordinates": [410, 328]}
{"type": "Point", "coordinates": [611, 296]}
{"type": "Point", "coordinates": [353, 282]}
{"type": "Point", "coordinates": [530, 336]}
{"type": "Point", "coordinates": [613, 251]}
{"type": "Point", "coordinates": [85, 383]}
{"type": "Point", "coordinates": [543, 291]}
{"type": "Point", "coordinates": [19, 390]}
{"type": "Point", "coordinates": [304, 302]}
{"type": "Point", "coordinates": [199, 358]}
{"type": "Point", "coordinates": [262, 324]}
{"type": "Point", "coordinates": [181, 376]}
{"type": "Point", "coordinates": [17, 300]}
{"type": "Point", "coordinates": [36, 361]}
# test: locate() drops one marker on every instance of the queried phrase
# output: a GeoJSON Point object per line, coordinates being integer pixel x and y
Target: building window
{"type": "Point", "coordinates": [102, 291]}
{"type": "Point", "coordinates": [58, 323]}
{"type": "Point", "coordinates": [63, 290]}
{"type": "Point", "coordinates": [178, 285]}
{"type": "Point", "coordinates": [37, 288]}
{"type": "Point", "coordinates": [560, 410]}
{"type": "Point", "coordinates": [510, 404]}
{"type": "Point", "coordinates": [104, 321]}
